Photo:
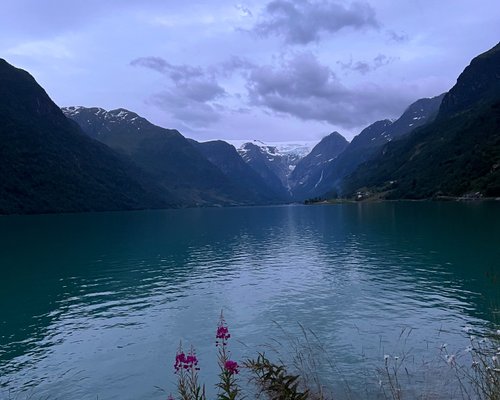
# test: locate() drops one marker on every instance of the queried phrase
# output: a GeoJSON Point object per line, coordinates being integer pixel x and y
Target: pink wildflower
{"type": "Point", "coordinates": [232, 367]}
{"type": "Point", "coordinates": [222, 334]}
{"type": "Point", "coordinates": [185, 362]}
{"type": "Point", "coordinates": [180, 359]}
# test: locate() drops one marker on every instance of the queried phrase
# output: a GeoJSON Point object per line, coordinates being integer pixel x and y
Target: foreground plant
{"type": "Point", "coordinates": [479, 373]}
{"type": "Point", "coordinates": [275, 381]}
{"type": "Point", "coordinates": [186, 367]}
{"type": "Point", "coordinates": [228, 387]}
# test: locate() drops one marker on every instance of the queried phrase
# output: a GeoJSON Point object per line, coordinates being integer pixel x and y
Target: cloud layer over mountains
{"type": "Point", "coordinates": [266, 69]}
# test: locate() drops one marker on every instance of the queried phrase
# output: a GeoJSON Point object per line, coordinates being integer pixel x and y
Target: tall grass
{"type": "Point", "coordinates": [296, 367]}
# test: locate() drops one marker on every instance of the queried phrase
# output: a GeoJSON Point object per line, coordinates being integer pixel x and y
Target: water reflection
{"type": "Point", "coordinates": [94, 304]}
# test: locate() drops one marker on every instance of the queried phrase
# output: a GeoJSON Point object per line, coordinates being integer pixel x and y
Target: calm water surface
{"type": "Point", "coordinates": [94, 305]}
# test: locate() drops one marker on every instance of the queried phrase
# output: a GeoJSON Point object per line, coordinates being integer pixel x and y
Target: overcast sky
{"type": "Point", "coordinates": [273, 70]}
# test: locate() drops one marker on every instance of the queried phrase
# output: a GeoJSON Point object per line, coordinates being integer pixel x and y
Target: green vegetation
{"type": "Point", "coordinates": [474, 372]}
{"type": "Point", "coordinates": [275, 381]}
{"type": "Point", "coordinates": [48, 165]}
{"type": "Point", "coordinates": [456, 155]}
{"type": "Point", "coordinates": [198, 173]}
{"type": "Point", "coordinates": [452, 157]}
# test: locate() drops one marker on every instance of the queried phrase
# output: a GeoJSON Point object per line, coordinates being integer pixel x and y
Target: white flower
{"type": "Point", "coordinates": [443, 346]}
{"type": "Point", "coordinates": [468, 349]}
{"type": "Point", "coordinates": [450, 359]}
{"type": "Point", "coordinates": [386, 357]}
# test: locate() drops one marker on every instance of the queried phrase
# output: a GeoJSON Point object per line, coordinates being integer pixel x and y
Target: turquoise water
{"type": "Point", "coordinates": [94, 305]}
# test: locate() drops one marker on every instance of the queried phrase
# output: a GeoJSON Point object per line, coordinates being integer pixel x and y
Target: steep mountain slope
{"type": "Point", "coordinates": [164, 153]}
{"type": "Point", "coordinates": [47, 164]}
{"type": "Point", "coordinates": [227, 159]}
{"type": "Point", "coordinates": [372, 139]}
{"type": "Point", "coordinates": [458, 154]}
{"type": "Point", "coordinates": [272, 166]}
{"type": "Point", "coordinates": [308, 173]}
{"type": "Point", "coordinates": [477, 85]}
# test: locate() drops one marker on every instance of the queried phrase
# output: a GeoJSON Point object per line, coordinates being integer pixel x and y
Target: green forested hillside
{"type": "Point", "coordinates": [48, 165]}
{"type": "Point", "coordinates": [176, 164]}
{"type": "Point", "coordinates": [458, 154]}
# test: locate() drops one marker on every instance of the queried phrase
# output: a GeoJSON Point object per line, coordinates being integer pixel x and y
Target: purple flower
{"type": "Point", "coordinates": [222, 334]}
{"type": "Point", "coordinates": [180, 359]}
{"type": "Point", "coordinates": [186, 362]}
{"type": "Point", "coordinates": [191, 360]}
{"type": "Point", "coordinates": [232, 367]}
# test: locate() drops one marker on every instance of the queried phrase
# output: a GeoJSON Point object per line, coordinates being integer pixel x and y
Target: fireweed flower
{"type": "Point", "coordinates": [232, 367]}
{"type": "Point", "coordinates": [185, 362]}
{"type": "Point", "coordinates": [222, 334]}
{"type": "Point", "coordinates": [180, 360]}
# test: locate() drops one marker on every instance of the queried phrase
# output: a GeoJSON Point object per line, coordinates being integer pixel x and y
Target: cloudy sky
{"type": "Point", "coordinates": [273, 70]}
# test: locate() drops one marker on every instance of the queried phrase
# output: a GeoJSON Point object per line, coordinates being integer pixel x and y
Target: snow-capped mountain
{"type": "Point", "coordinates": [300, 148]}
{"type": "Point", "coordinates": [47, 164]}
{"type": "Point", "coordinates": [273, 161]}
{"type": "Point", "coordinates": [309, 172]}
{"type": "Point", "coordinates": [100, 123]}
{"type": "Point", "coordinates": [369, 142]}
{"type": "Point", "coordinates": [171, 160]}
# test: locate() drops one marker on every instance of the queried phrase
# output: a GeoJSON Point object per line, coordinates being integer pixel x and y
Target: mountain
{"type": "Point", "coordinates": [367, 144]}
{"type": "Point", "coordinates": [309, 171]}
{"type": "Point", "coordinates": [477, 85]}
{"type": "Point", "coordinates": [168, 156]}
{"type": "Point", "coordinates": [47, 164]}
{"type": "Point", "coordinates": [458, 154]}
{"type": "Point", "coordinates": [272, 166]}
{"type": "Point", "coordinates": [226, 158]}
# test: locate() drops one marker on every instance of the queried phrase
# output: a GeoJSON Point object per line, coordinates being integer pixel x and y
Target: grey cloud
{"type": "Point", "coordinates": [201, 91]}
{"type": "Point", "coordinates": [189, 95]}
{"type": "Point", "coordinates": [229, 67]}
{"type": "Point", "coordinates": [244, 10]}
{"type": "Point", "coordinates": [188, 111]}
{"type": "Point", "coordinates": [304, 88]}
{"type": "Point", "coordinates": [363, 67]}
{"type": "Point", "coordinates": [397, 37]}
{"type": "Point", "coordinates": [303, 21]}
{"type": "Point", "coordinates": [236, 63]}
{"type": "Point", "coordinates": [360, 66]}
{"type": "Point", "coordinates": [178, 73]}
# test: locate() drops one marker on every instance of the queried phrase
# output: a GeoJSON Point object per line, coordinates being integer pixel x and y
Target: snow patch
{"type": "Point", "coordinates": [319, 181]}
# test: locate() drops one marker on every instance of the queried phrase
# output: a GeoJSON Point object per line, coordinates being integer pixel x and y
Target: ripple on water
{"type": "Point", "coordinates": [107, 323]}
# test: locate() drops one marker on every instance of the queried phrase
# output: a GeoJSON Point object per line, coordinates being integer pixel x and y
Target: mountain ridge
{"type": "Point", "coordinates": [166, 154]}
{"type": "Point", "coordinates": [309, 172]}
{"type": "Point", "coordinates": [49, 165]}
{"type": "Point", "coordinates": [369, 142]}
{"type": "Point", "coordinates": [456, 155]}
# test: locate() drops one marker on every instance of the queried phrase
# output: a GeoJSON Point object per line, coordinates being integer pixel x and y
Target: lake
{"type": "Point", "coordinates": [94, 305]}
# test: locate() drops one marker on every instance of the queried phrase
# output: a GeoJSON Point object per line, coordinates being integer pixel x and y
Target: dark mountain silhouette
{"type": "Point", "coordinates": [47, 164]}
